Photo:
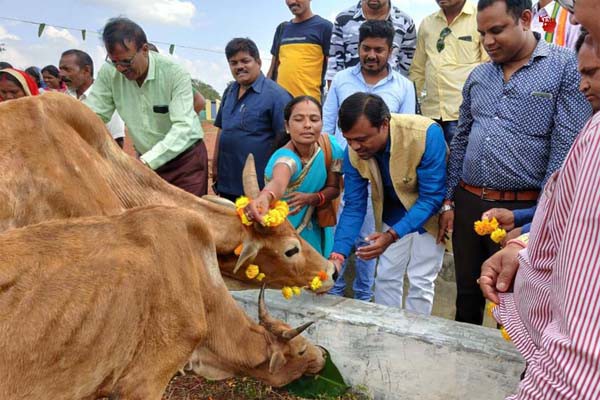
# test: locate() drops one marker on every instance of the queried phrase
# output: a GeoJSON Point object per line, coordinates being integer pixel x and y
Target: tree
{"type": "Point", "coordinates": [206, 90]}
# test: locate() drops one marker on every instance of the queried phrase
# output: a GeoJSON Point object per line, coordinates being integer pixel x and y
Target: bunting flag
{"type": "Point", "coordinates": [41, 29]}
{"type": "Point", "coordinates": [83, 34]}
{"type": "Point", "coordinates": [171, 49]}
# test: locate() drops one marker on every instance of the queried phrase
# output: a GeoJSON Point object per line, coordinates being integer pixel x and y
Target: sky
{"type": "Point", "coordinates": [203, 24]}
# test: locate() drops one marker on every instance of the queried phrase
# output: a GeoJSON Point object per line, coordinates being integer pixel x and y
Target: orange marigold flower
{"type": "Point", "coordinates": [238, 250]}
{"type": "Point", "coordinates": [505, 334]}
{"type": "Point", "coordinates": [489, 307]}
{"type": "Point", "coordinates": [322, 275]}
{"type": "Point", "coordinates": [485, 226]}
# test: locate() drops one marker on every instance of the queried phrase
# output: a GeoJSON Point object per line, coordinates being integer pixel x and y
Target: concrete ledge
{"type": "Point", "coordinates": [399, 355]}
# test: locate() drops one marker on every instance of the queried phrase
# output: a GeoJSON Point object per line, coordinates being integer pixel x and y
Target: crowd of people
{"type": "Point", "coordinates": [487, 111]}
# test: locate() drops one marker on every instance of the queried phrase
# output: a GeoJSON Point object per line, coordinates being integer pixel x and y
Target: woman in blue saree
{"type": "Point", "coordinates": [297, 173]}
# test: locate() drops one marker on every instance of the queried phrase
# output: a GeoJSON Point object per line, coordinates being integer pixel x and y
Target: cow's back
{"type": "Point", "coordinates": [98, 305]}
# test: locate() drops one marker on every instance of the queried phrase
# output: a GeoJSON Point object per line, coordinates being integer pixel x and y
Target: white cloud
{"type": "Point", "coordinates": [4, 35]}
{"type": "Point", "coordinates": [60, 35]}
{"type": "Point", "coordinates": [170, 12]}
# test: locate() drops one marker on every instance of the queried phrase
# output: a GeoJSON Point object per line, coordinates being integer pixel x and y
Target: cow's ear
{"type": "Point", "coordinates": [277, 361]}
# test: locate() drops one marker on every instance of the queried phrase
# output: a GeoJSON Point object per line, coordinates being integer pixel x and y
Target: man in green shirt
{"type": "Point", "coordinates": [154, 97]}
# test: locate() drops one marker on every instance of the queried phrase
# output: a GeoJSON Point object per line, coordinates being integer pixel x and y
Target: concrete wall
{"type": "Point", "coordinates": [400, 355]}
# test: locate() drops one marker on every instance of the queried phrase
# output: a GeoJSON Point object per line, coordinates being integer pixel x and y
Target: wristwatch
{"type": "Point", "coordinates": [446, 207]}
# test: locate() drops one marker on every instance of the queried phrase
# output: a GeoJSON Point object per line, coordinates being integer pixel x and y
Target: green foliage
{"type": "Point", "coordinates": [206, 90]}
{"type": "Point", "coordinates": [327, 384]}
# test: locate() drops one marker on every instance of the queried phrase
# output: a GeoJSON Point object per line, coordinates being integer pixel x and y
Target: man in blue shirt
{"type": "Point", "coordinates": [403, 157]}
{"type": "Point", "coordinates": [519, 117]}
{"type": "Point", "coordinates": [373, 75]}
{"type": "Point", "coordinates": [250, 117]}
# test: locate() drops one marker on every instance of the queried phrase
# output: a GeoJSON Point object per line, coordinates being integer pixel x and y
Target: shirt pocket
{"type": "Point", "coordinates": [463, 49]}
{"type": "Point", "coordinates": [251, 120]}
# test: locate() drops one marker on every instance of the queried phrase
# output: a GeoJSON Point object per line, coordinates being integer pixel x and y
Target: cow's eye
{"type": "Point", "coordinates": [292, 251]}
{"type": "Point", "coordinates": [302, 350]}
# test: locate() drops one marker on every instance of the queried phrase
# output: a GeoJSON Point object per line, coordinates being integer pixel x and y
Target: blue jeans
{"type": "Point", "coordinates": [449, 128]}
{"type": "Point", "coordinates": [365, 270]}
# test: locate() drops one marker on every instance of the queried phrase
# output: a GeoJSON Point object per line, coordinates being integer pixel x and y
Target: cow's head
{"type": "Point", "coordinates": [281, 254]}
{"type": "Point", "coordinates": [278, 357]}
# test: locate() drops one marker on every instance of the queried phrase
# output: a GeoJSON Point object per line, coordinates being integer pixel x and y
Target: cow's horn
{"type": "Point", "coordinates": [263, 314]}
{"type": "Point", "coordinates": [292, 333]}
{"type": "Point", "coordinates": [249, 251]}
{"type": "Point", "coordinates": [250, 180]}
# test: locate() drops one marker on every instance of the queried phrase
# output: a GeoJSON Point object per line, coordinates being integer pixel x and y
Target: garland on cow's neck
{"type": "Point", "coordinates": [275, 217]}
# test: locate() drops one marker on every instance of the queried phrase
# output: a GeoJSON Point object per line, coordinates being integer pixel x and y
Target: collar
{"type": "Point", "coordinates": [549, 8]}
{"type": "Point", "coordinates": [542, 49]}
{"type": "Point", "coordinates": [359, 11]}
{"type": "Point", "coordinates": [151, 66]}
{"type": "Point", "coordinates": [356, 70]}
{"type": "Point", "coordinates": [468, 9]}
{"type": "Point", "coordinates": [257, 86]}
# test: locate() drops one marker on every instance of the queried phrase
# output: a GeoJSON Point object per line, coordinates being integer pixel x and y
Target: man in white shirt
{"type": "Point", "coordinates": [77, 71]}
{"type": "Point", "coordinates": [553, 22]}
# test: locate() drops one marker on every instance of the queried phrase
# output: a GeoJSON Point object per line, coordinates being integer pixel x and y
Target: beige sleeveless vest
{"type": "Point", "coordinates": [407, 136]}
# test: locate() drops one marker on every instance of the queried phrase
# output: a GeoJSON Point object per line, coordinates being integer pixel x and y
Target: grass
{"type": "Point", "coordinates": [189, 387]}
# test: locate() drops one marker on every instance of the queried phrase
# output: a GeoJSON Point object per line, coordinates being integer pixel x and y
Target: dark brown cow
{"type": "Point", "coordinates": [59, 161]}
{"type": "Point", "coordinates": [105, 306]}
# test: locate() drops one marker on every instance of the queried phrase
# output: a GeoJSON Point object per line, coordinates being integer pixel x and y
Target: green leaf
{"type": "Point", "coordinates": [83, 34]}
{"type": "Point", "coordinates": [329, 382]}
{"type": "Point", "coordinates": [41, 29]}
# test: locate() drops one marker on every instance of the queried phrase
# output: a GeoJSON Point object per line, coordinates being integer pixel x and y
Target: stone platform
{"type": "Point", "coordinates": [399, 355]}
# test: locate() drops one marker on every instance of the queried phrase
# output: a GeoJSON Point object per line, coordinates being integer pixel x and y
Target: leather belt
{"type": "Point", "coordinates": [501, 195]}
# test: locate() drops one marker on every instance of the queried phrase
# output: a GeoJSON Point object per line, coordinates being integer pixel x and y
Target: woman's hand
{"type": "Point", "coordinates": [258, 208]}
{"type": "Point", "coordinates": [297, 200]}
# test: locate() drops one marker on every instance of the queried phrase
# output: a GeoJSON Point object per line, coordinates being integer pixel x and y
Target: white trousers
{"type": "Point", "coordinates": [421, 259]}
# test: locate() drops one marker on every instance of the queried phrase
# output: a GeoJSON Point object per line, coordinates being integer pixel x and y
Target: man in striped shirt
{"type": "Point", "coordinates": [553, 313]}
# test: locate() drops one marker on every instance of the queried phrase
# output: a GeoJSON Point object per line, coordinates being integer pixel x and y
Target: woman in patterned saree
{"type": "Point", "coordinates": [297, 173]}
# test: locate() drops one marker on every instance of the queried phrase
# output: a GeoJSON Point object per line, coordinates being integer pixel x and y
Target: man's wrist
{"type": "Point", "coordinates": [337, 257]}
{"type": "Point", "coordinates": [446, 208]}
{"type": "Point", "coordinates": [392, 233]}
{"type": "Point", "coordinates": [521, 241]}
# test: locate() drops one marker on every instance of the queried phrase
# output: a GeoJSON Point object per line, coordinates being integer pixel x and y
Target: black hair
{"type": "Point", "coordinates": [237, 45]}
{"type": "Point", "coordinates": [35, 74]}
{"type": "Point", "coordinates": [11, 78]}
{"type": "Point", "coordinates": [514, 7]}
{"type": "Point", "coordinates": [83, 59]}
{"type": "Point", "coordinates": [377, 29]}
{"type": "Point", "coordinates": [4, 65]}
{"type": "Point", "coordinates": [370, 105]}
{"type": "Point", "coordinates": [152, 47]}
{"type": "Point", "coordinates": [119, 30]}
{"type": "Point", "coordinates": [282, 138]}
{"type": "Point", "coordinates": [581, 39]}
{"type": "Point", "coordinates": [52, 70]}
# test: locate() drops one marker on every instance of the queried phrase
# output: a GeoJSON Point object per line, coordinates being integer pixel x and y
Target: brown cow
{"type": "Point", "coordinates": [59, 161]}
{"type": "Point", "coordinates": [104, 306]}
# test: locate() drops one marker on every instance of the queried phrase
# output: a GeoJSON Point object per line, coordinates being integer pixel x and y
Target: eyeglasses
{"type": "Point", "coordinates": [441, 43]}
{"type": "Point", "coordinates": [124, 64]}
{"type": "Point", "coordinates": [568, 4]}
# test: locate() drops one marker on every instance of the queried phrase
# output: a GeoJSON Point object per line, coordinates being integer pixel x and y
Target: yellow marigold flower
{"type": "Point", "coordinates": [498, 235]}
{"type": "Point", "coordinates": [489, 307]}
{"type": "Point", "coordinates": [260, 277]}
{"type": "Point", "coordinates": [316, 283]}
{"type": "Point", "coordinates": [238, 250]}
{"type": "Point", "coordinates": [297, 291]}
{"type": "Point", "coordinates": [282, 207]}
{"type": "Point", "coordinates": [252, 271]}
{"type": "Point", "coordinates": [242, 202]}
{"type": "Point", "coordinates": [287, 292]}
{"type": "Point", "coordinates": [504, 334]}
{"type": "Point", "coordinates": [485, 226]}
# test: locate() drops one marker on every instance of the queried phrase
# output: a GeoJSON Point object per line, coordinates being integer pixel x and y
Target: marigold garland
{"type": "Point", "coordinates": [490, 309]}
{"type": "Point", "coordinates": [316, 283]}
{"type": "Point", "coordinates": [287, 292]}
{"type": "Point", "coordinates": [322, 275]}
{"type": "Point", "coordinates": [260, 276]}
{"type": "Point", "coordinates": [274, 217]}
